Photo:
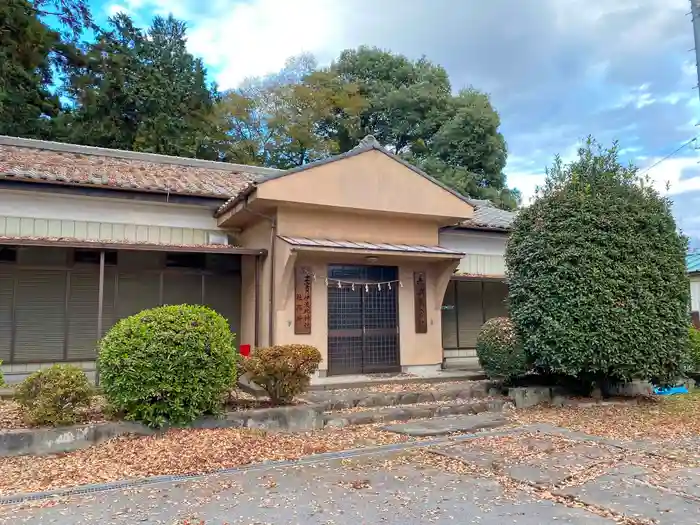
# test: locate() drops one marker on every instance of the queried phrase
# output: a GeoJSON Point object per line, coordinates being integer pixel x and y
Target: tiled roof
{"type": "Point", "coordinates": [370, 246]}
{"type": "Point", "coordinates": [68, 164]}
{"type": "Point", "coordinates": [487, 216]}
{"type": "Point", "coordinates": [692, 262]}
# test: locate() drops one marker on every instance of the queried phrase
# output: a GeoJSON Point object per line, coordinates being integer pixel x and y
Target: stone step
{"type": "Point", "coordinates": [441, 426]}
{"type": "Point", "coordinates": [345, 399]}
{"type": "Point", "coordinates": [414, 411]}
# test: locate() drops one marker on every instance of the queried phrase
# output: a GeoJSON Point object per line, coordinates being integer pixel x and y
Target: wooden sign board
{"type": "Point", "coordinates": [420, 302]}
{"type": "Point", "coordinates": [302, 300]}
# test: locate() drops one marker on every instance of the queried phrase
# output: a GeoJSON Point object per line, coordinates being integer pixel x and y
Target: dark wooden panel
{"type": "Point", "coordinates": [420, 302]}
{"type": "Point", "coordinates": [302, 300]}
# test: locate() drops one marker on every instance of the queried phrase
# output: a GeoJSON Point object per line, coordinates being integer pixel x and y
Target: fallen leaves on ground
{"type": "Point", "coordinates": [656, 418]}
{"type": "Point", "coordinates": [187, 451]}
{"type": "Point", "coordinates": [11, 415]}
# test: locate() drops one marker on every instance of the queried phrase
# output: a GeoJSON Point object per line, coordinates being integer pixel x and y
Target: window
{"type": "Point", "coordinates": [93, 257]}
{"type": "Point", "coordinates": [185, 260]}
{"type": "Point", "coordinates": [8, 254]}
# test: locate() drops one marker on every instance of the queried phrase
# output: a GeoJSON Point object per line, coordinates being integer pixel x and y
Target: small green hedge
{"type": "Point", "coordinates": [694, 348]}
{"type": "Point", "coordinates": [500, 353]}
{"type": "Point", "coordinates": [168, 365]}
{"type": "Point", "coordinates": [55, 396]}
{"type": "Point", "coordinates": [283, 371]}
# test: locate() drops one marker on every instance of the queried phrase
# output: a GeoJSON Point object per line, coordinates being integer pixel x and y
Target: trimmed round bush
{"type": "Point", "coordinates": [168, 365]}
{"type": "Point", "coordinates": [283, 371]}
{"type": "Point", "coordinates": [500, 353]}
{"type": "Point", "coordinates": [596, 272]}
{"type": "Point", "coordinates": [55, 396]}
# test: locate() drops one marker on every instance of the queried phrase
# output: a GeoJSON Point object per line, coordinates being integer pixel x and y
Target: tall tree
{"type": "Point", "coordinates": [468, 152]}
{"type": "Point", "coordinates": [406, 99]}
{"type": "Point", "coordinates": [30, 52]}
{"type": "Point", "coordinates": [142, 90]}
{"type": "Point", "coordinates": [286, 119]}
{"type": "Point", "coordinates": [411, 110]}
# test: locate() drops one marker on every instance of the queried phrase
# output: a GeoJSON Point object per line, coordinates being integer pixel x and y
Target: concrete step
{"type": "Point", "coordinates": [423, 411]}
{"type": "Point", "coordinates": [367, 398]}
{"type": "Point", "coordinates": [441, 426]}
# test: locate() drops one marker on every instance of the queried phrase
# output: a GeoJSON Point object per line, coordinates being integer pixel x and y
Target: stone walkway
{"type": "Point", "coordinates": [530, 475]}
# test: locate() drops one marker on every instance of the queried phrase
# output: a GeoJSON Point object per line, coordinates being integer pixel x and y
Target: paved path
{"type": "Point", "coordinates": [522, 478]}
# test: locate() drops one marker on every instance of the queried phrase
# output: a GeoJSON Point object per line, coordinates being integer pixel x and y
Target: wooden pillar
{"type": "Point", "coordinates": [100, 301]}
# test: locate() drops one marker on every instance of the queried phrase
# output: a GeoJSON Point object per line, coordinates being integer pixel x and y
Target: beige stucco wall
{"type": "Point", "coordinates": [355, 226]}
{"type": "Point", "coordinates": [415, 349]}
{"type": "Point", "coordinates": [369, 181]}
{"type": "Point", "coordinates": [368, 197]}
{"type": "Point", "coordinates": [256, 236]}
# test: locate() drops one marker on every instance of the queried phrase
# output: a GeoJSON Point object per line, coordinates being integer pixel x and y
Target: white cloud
{"type": "Point", "coordinates": [527, 183]}
{"type": "Point", "coordinates": [255, 38]}
{"type": "Point", "coordinates": [666, 176]}
{"type": "Point", "coordinates": [115, 9]}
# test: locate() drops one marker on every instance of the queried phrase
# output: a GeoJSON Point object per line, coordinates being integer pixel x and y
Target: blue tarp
{"type": "Point", "coordinates": [671, 390]}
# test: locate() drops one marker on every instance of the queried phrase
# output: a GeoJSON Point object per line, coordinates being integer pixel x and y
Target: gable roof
{"type": "Point", "coordinates": [692, 262]}
{"type": "Point", "coordinates": [30, 160]}
{"type": "Point", "coordinates": [369, 143]}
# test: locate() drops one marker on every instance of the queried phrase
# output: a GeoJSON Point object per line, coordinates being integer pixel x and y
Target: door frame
{"type": "Point", "coordinates": [362, 332]}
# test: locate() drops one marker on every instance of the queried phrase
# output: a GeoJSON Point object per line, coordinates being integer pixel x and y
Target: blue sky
{"type": "Point", "coordinates": [556, 70]}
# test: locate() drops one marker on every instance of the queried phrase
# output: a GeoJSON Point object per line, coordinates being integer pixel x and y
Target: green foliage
{"type": "Point", "coordinates": [694, 348]}
{"type": "Point", "coordinates": [141, 90]}
{"type": "Point", "coordinates": [284, 371]}
{"type": "Point", "coordinates": [596, 270]}
{"type": "Point", "coordinates": [285, 120]}
{"type": "Point", "coordinates": [169, 364]}
{"type": "Point", "coordinates": [406, 99]}
{"type": "Point", "coordinates": [2, 377]}
{"type": "Point", "coordinates": [26, 45]}
{"type": "Point", "coordinates": [55, 396]}
{"type": "Point", "coordinates": [500, 353]}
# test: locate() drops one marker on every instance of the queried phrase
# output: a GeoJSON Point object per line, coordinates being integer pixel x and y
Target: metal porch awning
{"type": "Point", "coordinates": [334, 245]}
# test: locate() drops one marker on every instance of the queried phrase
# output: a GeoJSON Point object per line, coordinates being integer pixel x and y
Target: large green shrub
{"type": "Point", "coordinates": [168, 365]}
{"type": "Point", "coordinates": [55, 396]}
{"type": "Point", "coordinates": [500, 353]}
{"type": "Point", "coordinates": [694, 348]}
{"type": "Point", "coordinates": [283, 371]}
{"type": "Point", "coordinates": [2, 377]}
{"type": "Point", "coordinates": [596, 269]}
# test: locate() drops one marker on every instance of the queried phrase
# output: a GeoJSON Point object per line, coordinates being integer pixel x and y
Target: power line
{"type": "Point", "coordinates": [664, 159]}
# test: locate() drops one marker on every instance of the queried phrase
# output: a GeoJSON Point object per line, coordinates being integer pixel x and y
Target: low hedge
{"type": "Point", "coordinates": [694, 348]}
{"type": "Point", "coordinates": [168, 365]}
{"type": "Point", "coordinates": [500, 353]}
{"type": "Point", "coordinates": [55, 396]}
{"type": "Point", "coordinates": [283, 371]}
